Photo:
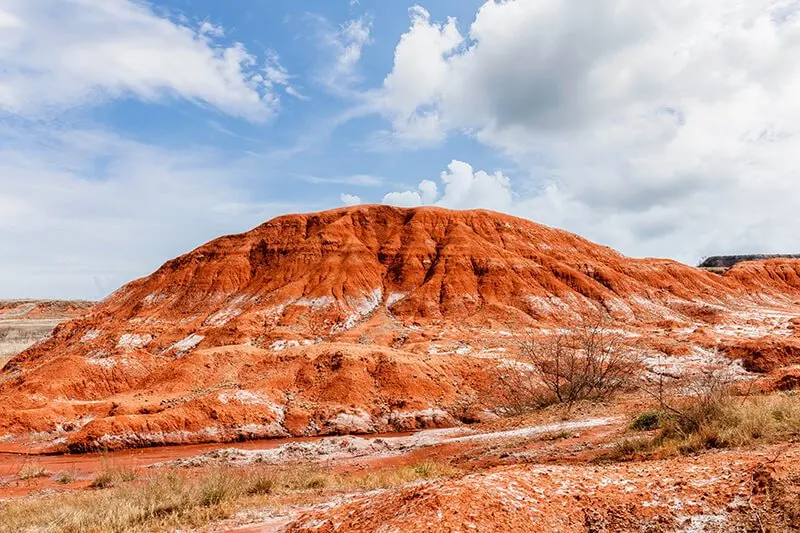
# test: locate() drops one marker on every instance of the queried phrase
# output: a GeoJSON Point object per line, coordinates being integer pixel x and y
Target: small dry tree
{"type": "Point", "coordinates": [591, 361]}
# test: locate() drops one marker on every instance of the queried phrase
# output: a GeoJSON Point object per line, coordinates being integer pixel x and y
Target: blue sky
{"type": "Point", "coordinates": [132, 131]}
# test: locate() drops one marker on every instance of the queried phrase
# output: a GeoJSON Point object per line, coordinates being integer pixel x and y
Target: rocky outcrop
{"type": "Point", "coordinates": [728, 261]}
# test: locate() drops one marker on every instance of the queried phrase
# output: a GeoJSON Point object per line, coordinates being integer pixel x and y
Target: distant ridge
{"type": "Point", "coordinates": [728, 261]}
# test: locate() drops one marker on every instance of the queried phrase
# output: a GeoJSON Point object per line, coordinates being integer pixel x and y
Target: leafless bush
{"type": "Point", "coordinates": [516, 390]}
{"type": "Point", "coordinates": [589, 362]}
{"type": "Point", "coordinates": [689, 404]}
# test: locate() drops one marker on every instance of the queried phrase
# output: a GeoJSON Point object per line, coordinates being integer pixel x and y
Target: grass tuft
{"type": "Point", "coordinates": [66, 477]}
{"type": "Point", "coordinates": [734, 422]}
{"type": "Point", "coordinates": [262, 483]}
{"type": "Point", "coordinates": [647, 421]}
{"type": "Point", "coordinates": [217, 488]}
{"type": "Point", "coordinates": [32, 471]}
{"type": "Point", "coordinates": [113, 476]}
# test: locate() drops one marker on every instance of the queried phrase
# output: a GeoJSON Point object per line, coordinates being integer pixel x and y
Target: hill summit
{"type": "Point", "coordinates": [368, 318]}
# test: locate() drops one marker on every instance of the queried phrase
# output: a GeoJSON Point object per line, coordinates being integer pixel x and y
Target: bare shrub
{"type": "Point", "coordinates": [696, 402]}
{"type": "Point", "coordinates": [465, 408]}
{"type": "Point", "coordinates": [589, 362]}
{"type": "Point", "coordinates": [516, 389]}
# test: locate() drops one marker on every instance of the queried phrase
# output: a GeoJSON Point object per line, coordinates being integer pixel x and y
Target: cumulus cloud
{"type": "Point", "coordinates": [464, 188]}
{"type": "Point", "coordinates": [626, 120]}
{"type": "Point", "coordinates": [403, 199]}
{"type": "Point", "coordinates": [428, 191]}
{"type": "Point", "coordinates": [58, 54]}
{"type": "Point", "coordinates": [421, 69]}
{"type": "Point", "coordinates": [349, 199]}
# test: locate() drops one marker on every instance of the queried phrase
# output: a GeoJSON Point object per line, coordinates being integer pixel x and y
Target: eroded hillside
{"type": "Point", "coordinates": [368, 319]}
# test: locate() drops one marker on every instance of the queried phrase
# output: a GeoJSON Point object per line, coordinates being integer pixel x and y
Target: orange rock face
{"type": "Point", "coordinates": [362, 319]}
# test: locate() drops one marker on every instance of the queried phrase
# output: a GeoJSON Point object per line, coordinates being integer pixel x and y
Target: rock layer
{"type": "Point", "coordinates": [362, 319]}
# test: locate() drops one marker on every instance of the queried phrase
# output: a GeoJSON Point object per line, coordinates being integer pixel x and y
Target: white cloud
{"type": "Point", "coordinates": [84, 211]}
{"type": "Point", "coordinates": [428, 191]}
{"type": "Point", "coordinates": [403, 199]}
{"type": "Point", "coordinates": [627, 120]}
{"type": "Point", "coordinates": [58, 54]}
{"type": "Point", "coordinates": [274, 72]}
{"type": "Point", "coordinates": [208, 28]}
{"type": "Point", "coordinates": [421, 69]}
{"type": "Point", "coordinates": [291, 91]}
{"type": "Point", "coordinates": [360, 180]}
{"type": "Point", "coordinates": [464, 188]}
{"type": "Point", "coordinates": [346, 43]}
{"type": "Point", "coordinates": [349, 199]}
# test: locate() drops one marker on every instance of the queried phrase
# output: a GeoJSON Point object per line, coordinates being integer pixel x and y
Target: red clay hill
{"type": "Point", "coordinates": [362, 319]}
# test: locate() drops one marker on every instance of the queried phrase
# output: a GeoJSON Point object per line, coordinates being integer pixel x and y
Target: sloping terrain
{"type": "Point", "coordinates": [727, 491]}
{"type": "Point", "coordinates": [359, 320]}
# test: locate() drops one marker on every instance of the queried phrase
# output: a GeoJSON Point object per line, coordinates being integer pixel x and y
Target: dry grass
{"type": "Point", "coordinates": [112, 476]}
{"type": "Point", "coordinates": [722, 421]}
{"type": "Point", "coordinates": [66, 477]}
{"type": "Point", "coordinates": [173, 500]}
{"type": "Point", "coordinates": [32, 471]}
{"type": "Point", "coordinates": [395, 477]}
{"type": "Point", "coordinates": [629, 447]}
{"type": "Point", "coordinates": [732, 422]}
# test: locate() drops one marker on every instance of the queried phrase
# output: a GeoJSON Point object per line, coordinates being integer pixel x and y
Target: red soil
{"type": "Point", "coordinates": [362, 319]}
{"type": "Point", "coordinates": [727, 491]}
